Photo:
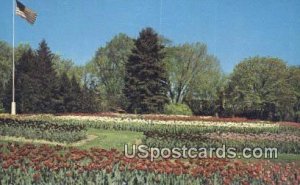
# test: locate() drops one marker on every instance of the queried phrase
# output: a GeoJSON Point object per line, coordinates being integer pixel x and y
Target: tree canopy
{"type": "Point", "coordinates": [193, 75]}
{"type": "Point", "coordinates": [259, 88]}
{"type": "Point", "coordinates": [145, 75]}
{"type": "Point", "coordinates": [108, 70]}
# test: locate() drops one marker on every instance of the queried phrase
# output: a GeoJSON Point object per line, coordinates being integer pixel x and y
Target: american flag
{"type": "Point", "coordinates": [25, 13]}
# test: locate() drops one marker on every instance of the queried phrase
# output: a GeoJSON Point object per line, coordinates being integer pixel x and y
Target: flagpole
{"type": "Point", "coordinates": [13, 103]}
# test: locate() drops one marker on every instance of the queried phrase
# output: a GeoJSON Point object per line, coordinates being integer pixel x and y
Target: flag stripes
{"type": "Point", "coordinates": [25, 13]}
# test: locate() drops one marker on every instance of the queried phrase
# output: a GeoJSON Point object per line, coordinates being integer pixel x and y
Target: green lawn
{"type": "Point", "coordinates": [288, 158]}
{"type": "Point", "coordinates": [282, 158]}
{"type": "Point", "coordinates": [112, 139]}
{"type": "Point", "coordinates": [106, 139]}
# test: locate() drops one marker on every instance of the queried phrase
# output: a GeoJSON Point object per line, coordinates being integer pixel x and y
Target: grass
{"type": "Point", "coordinates": [281, 158]}
{"type": "Point", "coordinates": [108, 139]}
{"type": "Point", "coordinates": [287, 158]}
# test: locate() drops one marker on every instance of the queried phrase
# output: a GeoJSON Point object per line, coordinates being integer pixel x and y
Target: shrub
{"type": "Point", "coordinates": [178, 109]}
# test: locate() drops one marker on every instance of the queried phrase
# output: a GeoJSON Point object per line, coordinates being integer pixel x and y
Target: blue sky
{"type": "Point", "coordinates": [232, 29]}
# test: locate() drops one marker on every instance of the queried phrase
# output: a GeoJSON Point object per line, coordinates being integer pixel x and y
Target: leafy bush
{"type": "Point", "coordinates": [178, 109]}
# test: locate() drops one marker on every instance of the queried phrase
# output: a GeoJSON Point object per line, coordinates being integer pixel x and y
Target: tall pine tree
{"type": "Point", "coordinates": [69, 95]}
{"type": "Point", "coordinates": [146, 77]}
{"type": "Point", "coordinates": [48, 82]}
{"type": "Point", "coordinates": [75, 96]}
{"type": "Point", "coordinates": [65, 91]}
{"type": "Point", "coordinates": [25, 83]}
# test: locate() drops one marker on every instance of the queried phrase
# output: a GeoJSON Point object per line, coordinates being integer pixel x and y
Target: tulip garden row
{"type": "Point", "coordinates": [286, 143]}
{"type": "Point", "coordinates": [162, 117]}
{"type": "Point", "coordinates": [41, 124]}
{"type": "Point", "coordinates": [173, 127]}
{"type": "Point", "coordinates": [164, 127]}
{"type": "Point", "coordinates": [30, 164]}
{"type": "Point", "coordinates": [239, 145]}
{"type": "Point", "coordinates": [39, 129]}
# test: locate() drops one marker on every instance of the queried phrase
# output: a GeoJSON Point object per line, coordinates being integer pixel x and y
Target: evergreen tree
{"type": "Point", "coordinates": [146, 77]}
{"type": "Point", "coordinates": [75, 96]}
{"type": "Point", "coordinates": [25, 95]}
{"type": "Point", "coordinates": [65, 91]}
{"type": "Point", "coordinates": [48, 83]}
{"type": "Point", "coordinates": [25, 83]}
{"type": "Point", "coordinates": [89, 101]}
{"type": "Point", "coordinates": [2, 93]}
{"type": "Point", "coordinates": [7, 96]}
{"type": "Point", "coordinates": [84, 101]}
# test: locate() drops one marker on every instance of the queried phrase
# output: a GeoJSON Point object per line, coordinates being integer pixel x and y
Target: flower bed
{"type": "Point", "coordinates": [162, 117]}
{"type": "Point", "coordinates": [238, 145]}
{"type": "Point", "coordinates": [41, 129]}
{"type": "Point", "coordinates": [287, 141]}
{"type": "Point", "coordinates": [167, 122]}
{"type": "Point", "coordinates": [160, 133]}
{"type": "Point", "coordinates": [29, 164]}
{"type": "Point", "coordinates": [41, 124]}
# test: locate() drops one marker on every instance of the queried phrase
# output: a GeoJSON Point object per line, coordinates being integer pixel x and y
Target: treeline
{"type": "Point", "coordinates": [151, 75]}
{"type": "Point", "coordinates": [39, 88]}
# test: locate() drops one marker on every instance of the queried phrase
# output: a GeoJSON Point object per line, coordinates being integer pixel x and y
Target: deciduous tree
{"type": "Point", "coordinates": [259, 88]}
{"type": "Point", "coordinates": [108, 67]}
{"type": "Point", "coordinates": [194, 77]}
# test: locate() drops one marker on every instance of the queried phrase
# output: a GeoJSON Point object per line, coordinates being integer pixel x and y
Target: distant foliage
{"type": "Point", "coordinates": [178, 109]}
